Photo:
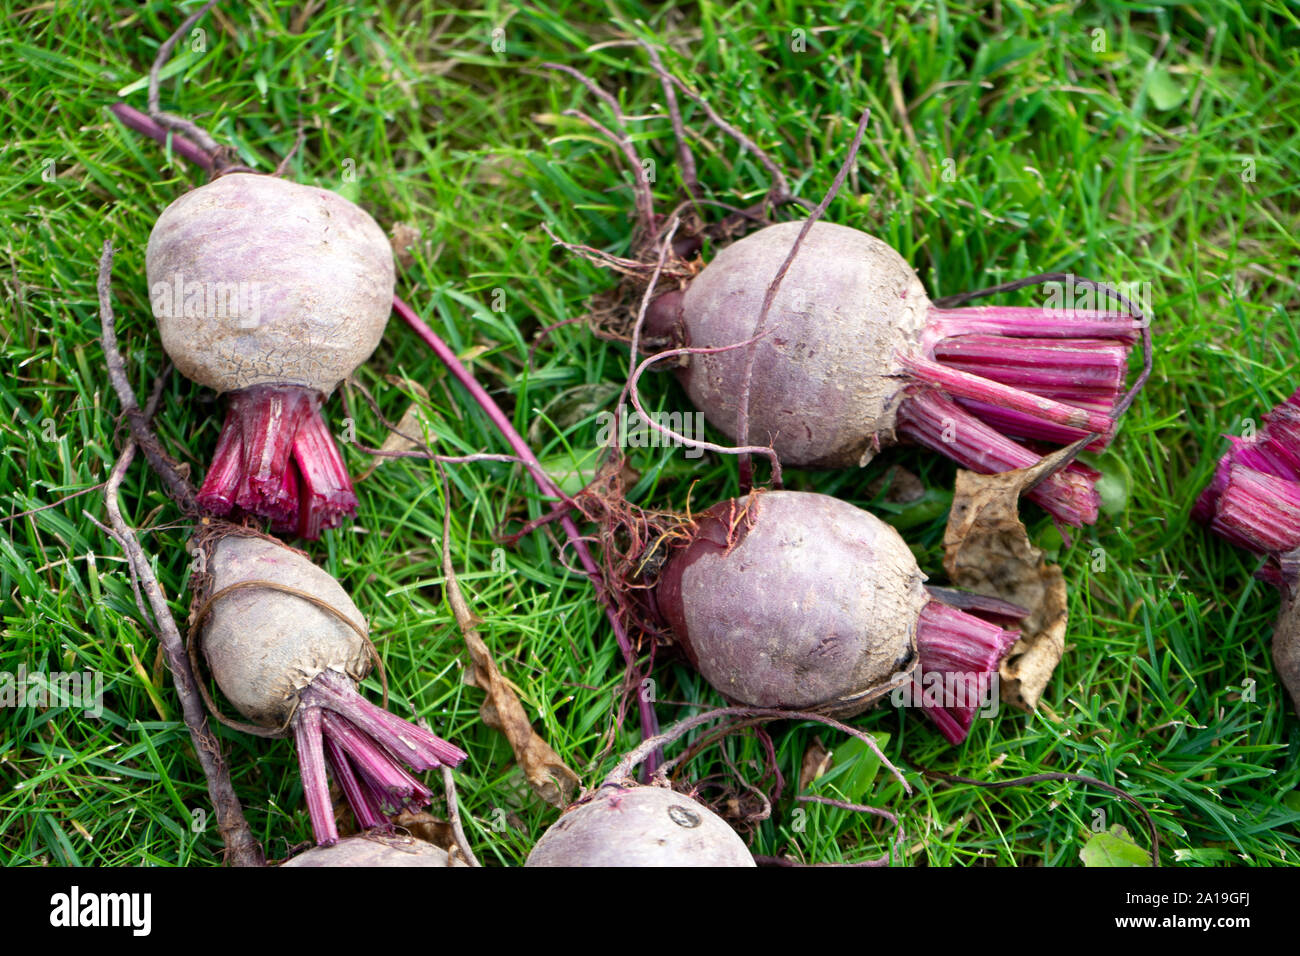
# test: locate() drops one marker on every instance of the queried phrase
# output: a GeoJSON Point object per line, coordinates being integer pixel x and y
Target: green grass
{"type": "Point", "coordinates": [1121, 160]}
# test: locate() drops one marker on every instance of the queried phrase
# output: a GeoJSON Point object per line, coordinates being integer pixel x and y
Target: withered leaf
{"type": "Point", "coordinates": [425, 826]}
{"type": "Point", "coordinates": [987, 550]}
{"type": "Point", "coordinates": [548, 775]}
{"type": "Point", "coordinates": [408, 435]}
{"type": "Point", "coordinates": [403, 239]}
{"type": "Point", "coordinates": [816, 761]}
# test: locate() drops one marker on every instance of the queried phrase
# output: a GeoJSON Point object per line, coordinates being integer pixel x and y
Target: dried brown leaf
{"type": "Point", "coordinates": [816, 761]}
{"type": "Point", "coordinates": [408, 436]}
{"type": "Point", "coordinates": [987, 550]}
{"type": "Point", "coordinates": [403, 239]}
{"type": "Point", "coordinates": [425, 826]}
{"type": "Point", "coordinates": [548, 775]}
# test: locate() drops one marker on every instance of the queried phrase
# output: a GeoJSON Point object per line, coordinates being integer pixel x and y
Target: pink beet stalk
{"type": "Point", "coordinates": [940, 424]}
{"type": "Point", "coordinates": [1273, 450]}
{"type": "Point", "coordinates": [1033, 322]}
{"type": "Point", "coordinates": [1253, 500]}
{"type": "Point", "coordinates": [1259, 511]}
{"type": "Point", "coordinates": [366, 747]}
{"type": "Point", "coordinates": [276, 459]}
{"type": "Point", "coordinates": [956, 676]}
{"type": "Point", "coordinates": [992, 374]}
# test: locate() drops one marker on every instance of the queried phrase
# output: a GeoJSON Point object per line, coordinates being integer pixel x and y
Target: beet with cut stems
{"type": "Point", "coordinates": [368, 850]}
{"type": "Point", "coordinates": [640, 826]}
{"type": "Point", "coordinates": [801, 601]}
{"type": "Point", "coordinates": [286, 646]}
{"type": "Point", "coordinates": [1253, 501]}
{"type": "Point", "coordinates": [271, 293]}
{"type": "Point", "coordinates": [853, 353]}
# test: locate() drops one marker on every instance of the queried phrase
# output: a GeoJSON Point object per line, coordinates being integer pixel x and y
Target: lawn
{"type": "Point", "coordinates": [1131, 143]}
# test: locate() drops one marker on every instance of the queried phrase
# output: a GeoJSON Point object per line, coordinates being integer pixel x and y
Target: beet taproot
{"type": "Point", "coordinates": [639, 826]}
{"type": "Point", "coordinates": [802, 601]}
{"type": "Point", "coordinates": [271, 293]}
{"type": "Point", "coordinates": [853, 354]}
{"type": "Point", "coordinates": [287, 646]}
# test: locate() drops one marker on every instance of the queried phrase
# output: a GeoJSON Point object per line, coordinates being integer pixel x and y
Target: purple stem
{"type": "Point", "coordinates": [372, 760]}
{"type": "Point", "coordinates": [366, 810]}
{"type": "Point", "coordinates": [411, 744]}
{"type": "Point", "coordinates": [1259, 511]}
{"type": "Point", "coordinates": [938, 423]}
{"type": "Point", "coordinates": [961, 384]}
{"type": "Point", "coordinates": [1032, 322]}
{"type": "Point", "coordinates": [649, 722]}
{"type": "Point", "coordinates": [1020, 425]}
{"type": "Point", "coordinates": [140, 122]}
{"type": "Point", "coordinates": [1091, 368]}
{"type": "Point", "coordinates": [311, 765]}
{"type": "Point", "coordinates": [966, 651]}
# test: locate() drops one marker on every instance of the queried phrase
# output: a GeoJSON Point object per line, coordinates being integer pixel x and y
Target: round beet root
{"type": "Point", "coordinates": [826, 377]}
{"type": "Point", "coordinates": [800, 601]}
{"type": "Point", "coordinates": [286, 661]}
{"type": "Point", "coordinates": [795, 600]}
{"type": "Point", "coordinates": [368, 850]}
{"type": "Point", "coordinates": [265, 646]}
{"type": "Point", "coordinates": [640, 826]}
{"type": "Point", "coordinates": [852, 354]}
{"type": "Point", "coordinates": [260, 281]}
{"type": "Point", "coordinates": [271, 293]}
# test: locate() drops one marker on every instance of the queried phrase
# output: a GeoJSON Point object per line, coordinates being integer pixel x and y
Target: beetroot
{"type": "Point", "coordinates": [801, 601]}
{"type": "Point", "coordinates": [286, 646]}
{"type": "Point", "coordinates": [373, 850]}
{"type": "Point", "coordinates": [853, 354]}
{"type": "Point", "coordinates": [1253, 501]}
{"type": "Point", "coordinates": [271, 293]}
{"type": "Point", "coordinates": [639, 826]}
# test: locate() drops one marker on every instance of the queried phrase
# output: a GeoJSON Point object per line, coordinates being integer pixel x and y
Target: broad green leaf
{"type": "Point", "coordinates": [1165, 92]}
{"type": "Point", "coordinates": [853, 771]}
{"type": "Point", "coordinates": [1114, 847]}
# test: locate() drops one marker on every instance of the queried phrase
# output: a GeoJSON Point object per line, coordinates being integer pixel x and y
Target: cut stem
{"type": "Point", "coordinates": [965, 385]}
{"type": "Point", "coordinates": [366, 746]}
{"type": "Point", "coordinates": [1274, 450]}
{"type": "Point", "coordinates": [996, 373]}
{"type": "Point", "coordinates": [1259, 511]}
{"type": "Point", "coordinates": [957, 674]}
{"type": "Point", "coordinates": [1034, 322]}
{"type": "Point", "coordinates": [276, 460]}
{"type": "Point", "coordinates": [938, 423]}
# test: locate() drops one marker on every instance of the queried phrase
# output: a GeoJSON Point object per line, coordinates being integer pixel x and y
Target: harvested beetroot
{"type": "Point", "coordinates": [373, 850]}
{"type": "Point", "coordinates": [286, 645]}
{"type": "Point", "coordinates": [804, 602]}
{"type": "Point", "coordinates": [1253, 501]}
{"type": "Point", "coordinates": [640, 826]}
{"type": "Point", "coordinates": [271, 293]}
{"type": "Point", "coordinates": [853, 354]}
